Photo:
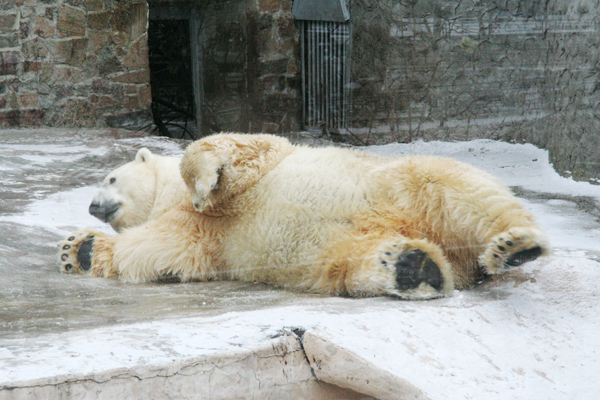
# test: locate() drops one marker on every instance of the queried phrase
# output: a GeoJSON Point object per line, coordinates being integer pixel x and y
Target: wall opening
{"type": "Point", "coordinates": [175, 71]}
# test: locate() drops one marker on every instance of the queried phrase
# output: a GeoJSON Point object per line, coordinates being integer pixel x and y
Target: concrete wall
{"type": "Point", "coordinates": [521, 70]}
{"type": "Point", "coordinates": [71, 62]}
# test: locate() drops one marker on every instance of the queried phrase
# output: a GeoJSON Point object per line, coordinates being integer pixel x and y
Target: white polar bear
{"type": "Point", "coordinates": [327, 220]}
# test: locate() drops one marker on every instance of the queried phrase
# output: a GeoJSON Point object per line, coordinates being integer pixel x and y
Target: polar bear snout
{"type": "Point", "coordinates": [104, 211]}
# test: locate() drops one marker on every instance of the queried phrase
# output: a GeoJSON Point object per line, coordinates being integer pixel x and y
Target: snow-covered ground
{"type": "Point", "coordinates": [533, 335]}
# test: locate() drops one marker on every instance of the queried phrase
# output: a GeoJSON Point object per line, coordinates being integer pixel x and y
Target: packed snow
{"type": "Point", "coordinates": [531, 335]}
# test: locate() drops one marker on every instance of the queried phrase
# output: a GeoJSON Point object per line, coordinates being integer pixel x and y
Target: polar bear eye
{"type": "Point", "coordinates": [112, 180]}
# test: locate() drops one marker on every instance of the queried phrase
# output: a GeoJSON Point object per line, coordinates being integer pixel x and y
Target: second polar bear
{"type": "Point", "coordinates": [327, 220]}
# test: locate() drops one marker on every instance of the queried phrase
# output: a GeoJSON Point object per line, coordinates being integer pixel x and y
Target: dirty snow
{"type": "Point", "coordinates": [533, 335]}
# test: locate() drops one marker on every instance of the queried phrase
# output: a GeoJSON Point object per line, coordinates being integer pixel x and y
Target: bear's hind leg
{"type": "Point", "coordinates": [512, 248]}
{"type": "Point", "coordinates": [412, 269]}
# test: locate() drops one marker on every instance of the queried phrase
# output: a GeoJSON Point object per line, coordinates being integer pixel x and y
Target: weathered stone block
{"type": "Point", "coordinates": [71, 51]}
{"type": "Point", "coordinates": [105, 86]}
{"type": "Point", "coordinates": [10, 4]}
{"type": "Point", "coordinates": [75, 3]}
{"type": "Point", "coordinates": [137, 57]}
{"type": "Point", "coordinates": [103, 101]}
{"type": "Point", "coordinates": [24, 28]}
{"type": "Point", "coordinates": [109, 65]}
{"type": "Point", "coordinates": [28, 100]}
{"type": "Point", "coordinates": [278, 65]}
{"type": "Point", "coordinates": [7, 21]}
{"type": "Point", "coordinates": [9, 40]}
{"type": "Point", "coordinates": [97, 40]}
{"type": "Point", "coordinates": [145, 95]}
{"type": "Point", "coordinates": [131, 102]}
{"type": "Point", "coordinates": [13, 100]}
{"type": "Point", "coordinates": [269, 5]}
{"type": "Point", "coordinates": [8, 63]}
{"type": "Point", "coordinates": [15, 118]}
{"type": "Point", "coordinates": [93, 5]}
{"type": "Point", "coordinates": [31, 66]}
{"type": "Point", "coordinates": [36, 49]}
{"type": "Point", "coordinates": [62, 74]}
{"type": "Point", "coordinates": [71, 21]}
{"type": "Point", "coordinates": [77, 112]}
{"type": "Point", "coordinates": [44, 28]}
{"type": "Point", "coordinates": [142, 76]}
{"type": "Point", "coordinates": [99, 20]}
{"type": "Point", "coordinates": [286, 27]}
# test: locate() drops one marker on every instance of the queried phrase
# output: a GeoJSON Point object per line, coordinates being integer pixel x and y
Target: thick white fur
{"type": "Point", "coordinates": [319, 219]}
{"type": "Point", "coordinates": [144, 188]}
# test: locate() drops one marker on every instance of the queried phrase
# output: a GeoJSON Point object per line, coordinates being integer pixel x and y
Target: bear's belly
{"type": "Point", "coordinates": [293, 213]}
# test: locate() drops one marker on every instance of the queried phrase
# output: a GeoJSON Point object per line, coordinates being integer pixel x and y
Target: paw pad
{"type": "Point", "coordinates": [415, 274]}
{"type": "Point", "coordinates": [414, 268]}
{"type": "Point", "coordinates": [75, 254]}
{"type": "Point", "coordinates": [512, 249]}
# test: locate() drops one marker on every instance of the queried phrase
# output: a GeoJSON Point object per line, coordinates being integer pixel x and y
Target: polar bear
{"type": "Point", "coordinates": [327, 220]}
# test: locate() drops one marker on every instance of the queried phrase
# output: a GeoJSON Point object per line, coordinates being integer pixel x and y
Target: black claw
{"type": "Point", "coordinates": [415, 267]}
{"type": "Point", "coordinates": [84, 254]}
{"type": "Point", "coordinates": [523, 256]}
{"type": "Point", "coordinates": [501, 248]}
{"type": "Point", "coordinates": [509, 243]}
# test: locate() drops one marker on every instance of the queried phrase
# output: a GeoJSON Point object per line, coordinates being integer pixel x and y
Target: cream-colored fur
{"type": "Point", "coordinates": [327, 220]}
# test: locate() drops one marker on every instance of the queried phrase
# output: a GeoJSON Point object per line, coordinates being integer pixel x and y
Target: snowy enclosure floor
{"type": "Point", "coordinates": [532, 334]}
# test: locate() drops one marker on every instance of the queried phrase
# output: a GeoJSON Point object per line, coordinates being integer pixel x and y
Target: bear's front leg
{"type": "Point", "coordinates": [87, 252]}
{"type": "Point", "coordinates": [180, 243]}
{"type": "Point", "coordinates": [201, 175]}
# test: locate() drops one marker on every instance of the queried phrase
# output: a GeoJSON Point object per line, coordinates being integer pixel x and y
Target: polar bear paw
{"type": "Point", "coordinates": [204, 188]}
{"type": "Point", "coordinates": [513, 248]}
{"type": "Point", "coordinates": [419, 273]}
{"type": "Point", "coordinates": [75, 253]}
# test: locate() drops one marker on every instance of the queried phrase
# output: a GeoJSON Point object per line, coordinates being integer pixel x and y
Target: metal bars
{"type": "Point", "coordinates": [326, 48]}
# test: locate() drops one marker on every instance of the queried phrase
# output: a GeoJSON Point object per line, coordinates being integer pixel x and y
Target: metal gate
{"type": "Point", "coordinates": [325, 37]}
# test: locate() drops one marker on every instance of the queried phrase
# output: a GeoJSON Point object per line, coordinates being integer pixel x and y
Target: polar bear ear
{"type": "Point", "coordinates": [143, 155]}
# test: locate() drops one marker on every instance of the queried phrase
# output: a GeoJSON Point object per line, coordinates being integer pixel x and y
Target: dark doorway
{"type": "Point", "coordinates": [175, 71]}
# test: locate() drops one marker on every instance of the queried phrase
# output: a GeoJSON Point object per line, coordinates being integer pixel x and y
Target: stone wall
{"type": "Point", "coordinates": [520, 70]}
{"type": "Point", "coordinates": [73, 62]}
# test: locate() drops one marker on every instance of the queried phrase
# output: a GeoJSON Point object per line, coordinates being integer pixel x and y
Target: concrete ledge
{"type": "Point", "coordinates": [338, 366]}
{"type": "Point", "coordinates": [278, 370]}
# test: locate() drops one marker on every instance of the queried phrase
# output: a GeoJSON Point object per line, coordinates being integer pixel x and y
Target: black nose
{"type": "Point", "coordinates": [103, 211]}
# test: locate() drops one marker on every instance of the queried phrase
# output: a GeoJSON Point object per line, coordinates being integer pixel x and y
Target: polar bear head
{"type": "Point", "coordinates": [128, 193]}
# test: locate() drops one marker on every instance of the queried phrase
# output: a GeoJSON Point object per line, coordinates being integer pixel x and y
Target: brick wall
{"type": "Point", "coordinates": [72, 62]}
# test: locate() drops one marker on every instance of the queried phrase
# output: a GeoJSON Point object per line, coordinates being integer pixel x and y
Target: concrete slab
{"type": "Point", "coordinates": [529, 335]}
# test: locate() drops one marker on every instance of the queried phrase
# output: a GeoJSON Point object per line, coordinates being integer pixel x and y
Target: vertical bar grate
{"type": "Point", "coordinates": [325, 74]}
